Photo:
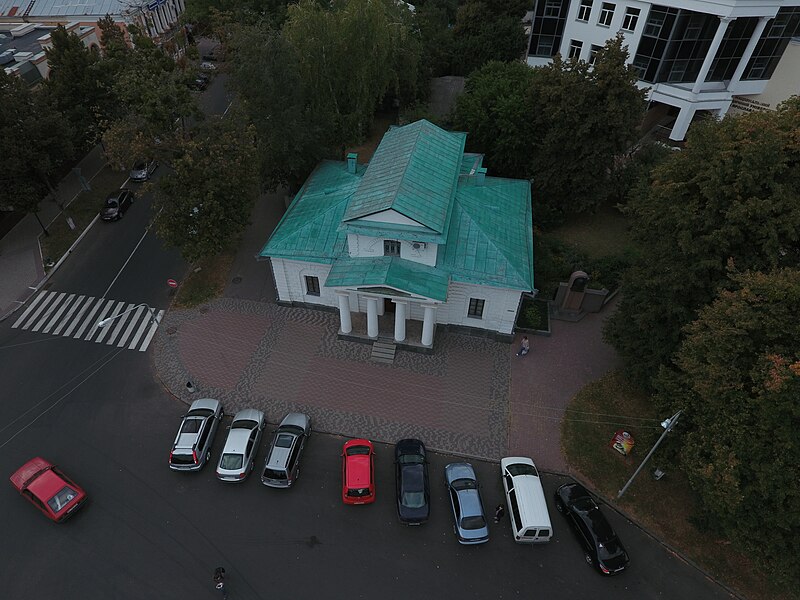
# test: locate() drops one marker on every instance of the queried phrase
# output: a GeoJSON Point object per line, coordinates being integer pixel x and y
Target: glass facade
{"type": "Point", "coordinates": [732, 48]}
{"type": "Point", "coordinates": [773, 42]}
{"type": "Point", "coordinates": [548, 27]}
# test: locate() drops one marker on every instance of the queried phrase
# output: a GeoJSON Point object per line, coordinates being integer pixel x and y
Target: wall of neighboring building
{"type": "Point", "coordinates": [785, 82]}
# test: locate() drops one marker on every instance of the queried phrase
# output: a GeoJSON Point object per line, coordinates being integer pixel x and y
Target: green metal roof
{"type": "Point", "coordinates": [309, 228]}
{"type": "Point", "coordinates": [490, 241]}
{"type": "Point", "coordinates": [389, 271]}
{"type": "Point", "coordinates": [414, 171]}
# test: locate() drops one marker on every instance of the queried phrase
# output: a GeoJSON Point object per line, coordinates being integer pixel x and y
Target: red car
{"type": "Point", "coordinates": [48, 489]}
{"type": "Point", "coordinates": [358, 472]}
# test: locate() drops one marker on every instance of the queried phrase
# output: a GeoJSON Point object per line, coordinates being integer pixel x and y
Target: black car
{"type": "Point", "coordinates": [199, 82]}
{"type": "Point", "coordinates": [411, 474]}
{"type": "Point", "coordinates": [116, 205]}
{"type": "Point", "coordinates": [601, 546]}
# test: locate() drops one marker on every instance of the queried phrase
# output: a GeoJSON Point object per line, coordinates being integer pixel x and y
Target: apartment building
{"type": "Point", "coordinates": [696, 57]}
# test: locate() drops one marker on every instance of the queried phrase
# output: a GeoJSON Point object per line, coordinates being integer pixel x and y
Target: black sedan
{"type": "Point", "coordinates": [116, 205]}
{"type": "Point", "coordinates": [601, 546]}
{"type": "Point", "coordinates": [411, 474]}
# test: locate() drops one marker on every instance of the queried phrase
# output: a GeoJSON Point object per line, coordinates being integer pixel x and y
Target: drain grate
{"type": "Point", "coordinates": [236, 279]}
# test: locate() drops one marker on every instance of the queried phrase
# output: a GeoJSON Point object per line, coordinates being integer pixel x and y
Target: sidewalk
{"type": "Point", "coordinates": [21, 270]}
{"type": "Point", "coordinates": [472, 397]}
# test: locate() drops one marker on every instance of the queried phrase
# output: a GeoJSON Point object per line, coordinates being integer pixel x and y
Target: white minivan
{"type": "Point", "coordinates": [527, 509]}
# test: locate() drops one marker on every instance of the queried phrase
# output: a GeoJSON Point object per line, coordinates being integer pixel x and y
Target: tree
{"type": "Point", "coordinates": [435, 19]}
{"type": "Point", "coordinates": [496, 110]}
{"type": "Point", "coordinates": [203, 207]}
{"type": "Point", "coordinates": [76, 86]}
{"type": "Point", "coordinates": [731, 194]}
{"type": "Point", "coordinates": [35, 141]}
{"type": "Point", "coordinates": [737, 379]}
{"type": "Point", "coordinates": [485, 31]}
{"type": "Point", "coordinates": [112, 39]}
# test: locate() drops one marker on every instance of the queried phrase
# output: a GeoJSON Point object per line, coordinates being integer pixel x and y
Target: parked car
{"type": "Point", "coordinates": [46, 487]}
{"type": "Point", "coordinates": [117, 204]}
{"type": "Point", "coordinates": [142, 170]}
{"type": "Point", "coordinates": [601, 546]}
{"type": "Point", "coordinates": [465, 498]}
{"type": "Point", "coordinates": [199, 82]}
{"type": "Point", "coordinates": [282, 467]}
{"type": "Point", "coordinates": [192, 446]}
{"type": "Point", "coordinates": [208, 66]}
{"type": "Point", "coordinates": [358, 472]}
{"type": "Point", "coordinates": [239, 453]}
{"type": "Point", "coordinates": [411, 478]}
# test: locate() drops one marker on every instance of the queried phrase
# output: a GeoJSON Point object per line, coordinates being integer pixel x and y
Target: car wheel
{"type": "Point", "coordinates": [588, 558]}
{"type": "Point", "coordinates": [560, 506]}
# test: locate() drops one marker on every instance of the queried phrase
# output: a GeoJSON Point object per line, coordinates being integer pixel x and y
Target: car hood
{"type": "Point", "coordinates": [109, 210]}
{"type": "Point", "coordinates": [297, 419]}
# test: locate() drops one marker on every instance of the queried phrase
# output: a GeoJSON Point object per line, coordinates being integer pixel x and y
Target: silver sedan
{"type": "Point", "coordinates": [239, 453]}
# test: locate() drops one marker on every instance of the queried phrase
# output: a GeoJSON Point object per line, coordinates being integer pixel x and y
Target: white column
{"type": "Point", "coordinates": [682, 123]}
{"type": "Point", "coordinates": [372, 317]}
{"type": "Point", "coordinates": [748, 51]}
{"type": "Point", "coordinates": [399, 320]}
{"type": "Point", "coordinates": [345, 323]}
{"type": "Point", "coordinates": [712, 52]}
{"type": "Point", "coordinates": [381, 307]}
{"type": "Point", "coordinates": [427, 325]}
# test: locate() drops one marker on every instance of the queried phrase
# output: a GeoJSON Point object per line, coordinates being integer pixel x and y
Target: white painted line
{"type": "Point", "coordinates": [79, 316]}
{"type": "Point", "coordinates": [134, 320]}
{"type": "Point", "coordinates": [140, 331]}
{"type": "Point", "coordinates": [49, 311]}
{"type": "Point", "coordinates": [104, 330]}
{"type": "Point", "coordinates": [89, 319]}
{"type": "Point", "coordinates": [139, 243]}
{"type": "Point", "coordinates": [93, 328]}
{"type": "Point", "coordinates": [68, 316]}
{"type": "Point", "coordinates": [29, 309]}
{"type": "Point", "coordinates": [151, 333]}
{"type": "Point", "coordinates": [58, 314]}
{"type": "Point", "coordinates": [118, 325]}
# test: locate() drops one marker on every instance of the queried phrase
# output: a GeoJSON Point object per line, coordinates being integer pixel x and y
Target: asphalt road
{"type": "Point", "coordinates": [147, 532]}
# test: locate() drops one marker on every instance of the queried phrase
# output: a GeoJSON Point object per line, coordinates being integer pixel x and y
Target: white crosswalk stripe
{"type": "Point", "coordinates": [128, 325]}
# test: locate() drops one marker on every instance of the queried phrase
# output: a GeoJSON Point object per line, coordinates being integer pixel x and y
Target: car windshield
{"type": "Point", "coordinates": [62, 498]}
{"type": "Point", "coordinates": [358, 492]}
{"type": "Point", "coordinates": [273, 474]}
{"type": "Point", "coordinates": [139, 166]}
{"type": "Point", "coordinates": [522, 469]}
{"type": "Point", "coordinates": [231, 462]}
{"type": "Point", "coordinates": [284, 440]}
{"type": "Point", "coordinates": [464, 484]}
{"type": "Point", "coordinates": [609, 549]}
{"type": "Point", "coordinates": [413, 499]}
{"type": "Point", "coordinates": [410, 459]}
{"type": "Point", "coordinates": [473, 523]}
{"type": "Point", "coordinates": [244, 424]}
{"type": "Point", "coordinates": [353, 450]}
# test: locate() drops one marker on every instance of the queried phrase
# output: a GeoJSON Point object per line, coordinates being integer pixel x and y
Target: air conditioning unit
{"type": "Point", "coordinates": [419, 245]}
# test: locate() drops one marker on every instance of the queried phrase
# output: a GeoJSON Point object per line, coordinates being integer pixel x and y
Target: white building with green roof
{"type": "Point", "coordinates": [420, 231]}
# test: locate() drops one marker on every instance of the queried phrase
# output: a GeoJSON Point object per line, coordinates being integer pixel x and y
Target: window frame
{"type": "Point", "coordinates": [631, 18]}
{"type": "Point", "coordinates": [475, 308]}
{"type": "Point", "coordinates": [593, 51]}
{"type": "Point", "coordinates": [575, 49]}
{"type": "Point", "coordinates": [312, 285]}
{"type": "Point", "coordinates": [550, 5]}
{"type": "Point", "coordinates": [605, 11]}
{"type": "Point", "coordinates": [389, 247]}
{"type": "Point", "coordinates": [585, 11]}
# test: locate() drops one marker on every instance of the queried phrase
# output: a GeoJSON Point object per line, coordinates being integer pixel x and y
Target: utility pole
{"type": "Point", "coordinates": [668, 424]}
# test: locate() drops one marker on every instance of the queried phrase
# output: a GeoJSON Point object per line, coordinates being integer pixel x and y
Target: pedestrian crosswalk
{"type": "Point", "coordinates": [111, 322]}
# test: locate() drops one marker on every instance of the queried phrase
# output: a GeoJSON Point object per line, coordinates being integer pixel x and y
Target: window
{"type": "Point", "coordinates": [391, 248]}
{"type": "Point", "coordinates": [593, 53]}
{"type": "Point", "coordinates": [654, 24]}
{"type": "Point", "coordinates": [575, 48]}
{"type": "Point", "coordinates": [585, 10]}
{"type": "Point", "coordinates": [631, 18]}
{"type": "Point", "coordinates": [312, 285]}
{"type": "Point", "coordinates": [545, 47]}
{"type": "Point", "coordinates": [475, 308]}
{"type": "Point", "coordinates": [552, 8]}
{"type": "Point", "coordinates": [607, 14]}
{"type": "Point", "coordinates": [512, 500]}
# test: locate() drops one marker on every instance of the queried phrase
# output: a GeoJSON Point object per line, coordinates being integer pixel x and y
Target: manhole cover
{"type": "Point", "coordinates": [236, 280]}
{"type": "Point", "coordinates": [172, 330]}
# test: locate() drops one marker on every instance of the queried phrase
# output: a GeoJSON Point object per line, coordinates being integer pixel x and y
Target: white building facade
{"type": "Point", "coordinates": [694, 56]}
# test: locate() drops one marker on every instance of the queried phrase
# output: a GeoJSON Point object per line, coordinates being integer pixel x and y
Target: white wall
{"type": "Point", "coordinates": [366, 246]}
{"type": "Point", "coordinates": [499, 310]}
{"type": "Point", "coordinates": [290, 281]}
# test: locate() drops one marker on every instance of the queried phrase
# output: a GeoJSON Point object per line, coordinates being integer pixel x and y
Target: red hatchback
{"type": "Point", "coordinates": [358, 472]}
{"type": "Point", "coordinates": [48, 489]}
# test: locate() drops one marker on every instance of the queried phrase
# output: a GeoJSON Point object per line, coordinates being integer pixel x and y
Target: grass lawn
{"type": "Point", "coordinates": [82, 210]}
{"type": "Point", "coordinates": [665, 507]}
{"type": "Point", "coordinates": [598, 235]}
{"type": "Point", "coordinates": [204, 284]}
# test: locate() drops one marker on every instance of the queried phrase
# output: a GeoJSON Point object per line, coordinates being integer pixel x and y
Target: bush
{"type": "Point", "coordinates": [534, 315]}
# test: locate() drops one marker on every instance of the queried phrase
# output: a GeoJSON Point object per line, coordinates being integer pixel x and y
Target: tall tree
{"type": "Point", "coordinates": [203, 207]}
{"type": "Point", "coordinates": [731, 194]}
{"type": "Point", "coordinates": [737, 378]}
{"type": "Point", "coordinates": [35, 141]}
{"type": "Point", "coordinates": [485, 31]}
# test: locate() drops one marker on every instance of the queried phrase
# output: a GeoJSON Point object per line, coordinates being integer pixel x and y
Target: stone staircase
{"type": "Point", "coordinates": [383, 351]}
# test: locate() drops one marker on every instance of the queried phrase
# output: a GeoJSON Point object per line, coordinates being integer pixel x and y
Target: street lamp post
{"type": "Point", "coordinates": [108, 320]}
{"type": "Point", "coordinates": [667, 424]}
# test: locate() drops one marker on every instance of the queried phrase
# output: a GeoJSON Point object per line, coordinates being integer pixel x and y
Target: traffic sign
{"type": "Point", "coordinates": [172, 283]}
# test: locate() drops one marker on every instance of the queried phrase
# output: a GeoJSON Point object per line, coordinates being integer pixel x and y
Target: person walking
{"type": "Point", "coordinates": [499, 513]}
{"type": "Point", "coordinates": [524, 347]}
{"type": "Point", "coordinates": [219, 581]}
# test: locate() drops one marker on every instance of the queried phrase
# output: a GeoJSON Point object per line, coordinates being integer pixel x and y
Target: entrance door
{"type": "Point", "coordinates": [388, 305]}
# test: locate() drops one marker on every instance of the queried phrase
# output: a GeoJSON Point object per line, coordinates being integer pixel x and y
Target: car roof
{"type": "Point", "coordinates": [47, 485]}
{"type": "Point", "coordinates": [413, 477]}
{"type": "Point", "coordinates": [237, 441]}
{"type": "Point", "coordinates": [31, 468]}
{"type": "Point", "coordinates": [358, 471]}
{"type": "Point", "coordinates": [205, 403]}
{"type": "Point", "coordinates": [529, 491]}
{"type": "Point", "coordinates": [470, 502]}
{"type": "Point", "coordinates": [249, 414]}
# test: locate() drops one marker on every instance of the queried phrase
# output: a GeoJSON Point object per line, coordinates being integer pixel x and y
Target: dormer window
{"type": "Point", "coordinates": [391, 248]}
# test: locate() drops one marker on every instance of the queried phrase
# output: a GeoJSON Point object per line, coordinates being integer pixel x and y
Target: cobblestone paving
{"type": "Point", "coordinates": [252, 354]}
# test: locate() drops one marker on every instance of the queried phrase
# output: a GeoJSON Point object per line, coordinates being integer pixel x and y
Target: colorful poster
{"type": "Point", "coordinates": [622, 442]}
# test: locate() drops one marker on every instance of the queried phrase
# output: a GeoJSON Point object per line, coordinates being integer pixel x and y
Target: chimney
{"type": "Point", "coordinates": [480, 176]}
{"type": "Point", "coordinates": [351, 163]}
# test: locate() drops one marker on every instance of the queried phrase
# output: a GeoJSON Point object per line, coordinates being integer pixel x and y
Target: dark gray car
{"type": "Point", "coordinates": [282, 467]}
{"type": "Point", "coordinates": [116, 205]}
{"type": "Point", "coordinates": [465, 498]}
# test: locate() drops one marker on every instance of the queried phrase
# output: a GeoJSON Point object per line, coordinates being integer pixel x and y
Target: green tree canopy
{"type": "Point", "coordinates": [731, 194]}
{"type": "Point", "coordinates": [737, 378]}
{"type": "Point", "coordinates": [485, 31]}
{"type": "Point", "coordinates": [204, 205]}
